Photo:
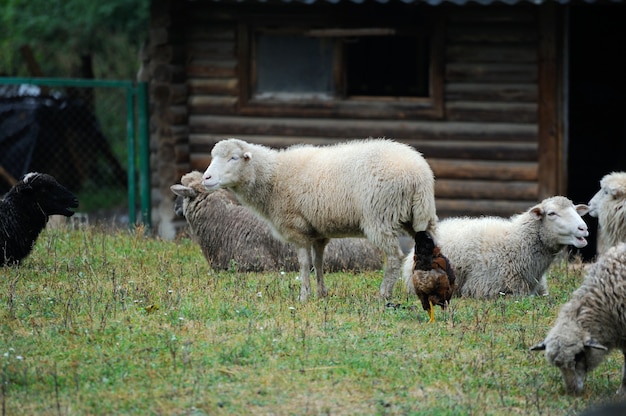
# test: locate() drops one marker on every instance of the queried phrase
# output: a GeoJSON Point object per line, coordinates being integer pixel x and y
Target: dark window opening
{"type": "Point", "coordinates": [387, 66]}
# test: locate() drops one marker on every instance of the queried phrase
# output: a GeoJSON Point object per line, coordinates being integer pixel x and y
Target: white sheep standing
{"type": "Point", "coordinates": [229, 234]}
{"type": "Point", "coordinates": [609, 206]}
{"type": "Point", "coordinates": [493, 255]}
{"type": "Point", "coordinates": [591, 323]}
{"type": "Point", "coordinates": [375, 188]}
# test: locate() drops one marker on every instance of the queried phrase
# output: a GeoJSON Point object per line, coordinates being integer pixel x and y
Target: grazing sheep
{"type": "Point", "coordinates": [372, 188]}
{"type": "Point", "coordinates": [230, 233]}
{"type": "Point", "coordinates": [25, 210]}
{"type": "Point", "coordinates": [609, 206]}
{"type": "Point", "coordinates": [492, 255]}
{"type": "Point", "coordinates": [591, 323]}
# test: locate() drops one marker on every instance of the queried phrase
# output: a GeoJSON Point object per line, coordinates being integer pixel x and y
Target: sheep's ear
{"type": "Point", "coordinates": [592, 343]}
{"type": "Point", "coordinates": [537, 212]}
{"type": "Point", "coordinates": [539, 347]}
{"type": "Point", "coordinates": [183, 191]}
{"type": "Point", "coordinates": [582, 209]}
{"type": "Point", "coordinates": [247, 155]}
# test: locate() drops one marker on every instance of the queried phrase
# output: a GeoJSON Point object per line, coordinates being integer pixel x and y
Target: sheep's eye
{"type": "Point", "coordinates": [552, 214]}
{"type": "Point", "coordinates": [234, 157]}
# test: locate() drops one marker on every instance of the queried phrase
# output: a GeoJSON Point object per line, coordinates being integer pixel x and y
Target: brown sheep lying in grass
{"type": "Point", "coordinates": [232, 236]}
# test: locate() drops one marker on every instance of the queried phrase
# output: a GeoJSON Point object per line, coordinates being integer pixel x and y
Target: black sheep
{"type": "Point", "coordinates": [24, 213]}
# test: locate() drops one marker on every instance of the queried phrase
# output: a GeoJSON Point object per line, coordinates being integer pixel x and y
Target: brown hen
{"type": "Point", "coordinates": [433, 277]}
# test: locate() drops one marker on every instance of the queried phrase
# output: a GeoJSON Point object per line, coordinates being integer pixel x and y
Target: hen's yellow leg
{"type": "Point", "coordinates": [431, 312]}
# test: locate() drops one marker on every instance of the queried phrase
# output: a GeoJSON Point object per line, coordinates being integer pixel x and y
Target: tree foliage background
{"type": "Point", "coordinates": [70, 38]}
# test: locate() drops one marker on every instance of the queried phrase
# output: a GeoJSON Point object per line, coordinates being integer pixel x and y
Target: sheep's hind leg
{"type": "Point", "coordinates": [317, 253]}
{"type": "Point", "coordinates": [304, 258]}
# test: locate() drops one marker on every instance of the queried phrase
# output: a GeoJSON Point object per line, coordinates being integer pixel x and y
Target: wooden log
{"type": "Point", "coordinates": [492, 111]}
{"type": "Point", "coordinates": [212, 104]}
{"type": "Point", "coordinates": [203, 143]}
{"type": "Point", "coordinates": [477, 150]}
{"type": "Point", "coordinates": [430, 149]}
{"type": "Point", "coordinates": [491, 73]}
{"type": "Point", "coordinates": [480, 207]}
{"type": "Point", "coordinates": [505, 171]}
{"type": "Point", "coordinates": [212, 49]}
{"type": "Point", "coordinates": [221, 86]}
{"type": "Point", "coordinates": [483, 189]}
{"type": "Point", "coordinates": [519, 93]}
{"type": "Point", "coordinates": [469, 52]}
{"type": "Point", "coordinates": [407, 130]}
{"type": "Point", "coordinates": [362, 108]}
{"type": "Point", "coordinates": [209, 68]}
{"type": "Point", "coordinates": [214, 31]}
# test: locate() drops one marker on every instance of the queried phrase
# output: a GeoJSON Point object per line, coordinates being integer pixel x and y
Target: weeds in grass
{"type": "Point", "coordinates": [98, 322]}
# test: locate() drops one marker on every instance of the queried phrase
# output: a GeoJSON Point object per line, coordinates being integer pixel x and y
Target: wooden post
{"type": "Point", "coordinates": [551, 180]}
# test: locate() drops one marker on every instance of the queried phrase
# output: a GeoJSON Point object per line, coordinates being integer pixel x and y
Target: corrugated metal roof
{"type": "Point", "coordinates": [429, 2]}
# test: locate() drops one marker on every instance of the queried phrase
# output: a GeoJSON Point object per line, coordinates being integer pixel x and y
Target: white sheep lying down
{"type": "Point", "coordinates": [493, 255]}
{"type": "Point", "coordinates": [609, 206]}
{"type": "Point", "coordinates": [591, 323]}
{"type": "Point", "coordinates": [373, 188]}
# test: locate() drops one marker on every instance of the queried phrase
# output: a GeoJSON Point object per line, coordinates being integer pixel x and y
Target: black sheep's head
{"type": "Point", "coordinates": [46, 193]}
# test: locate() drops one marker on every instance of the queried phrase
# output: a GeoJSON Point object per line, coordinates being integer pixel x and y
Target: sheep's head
{"type": "Point", "coordinates": [228, 161]}
{"type": "Point", "coordinates": [190, 189]}
{"type": "Point", "coordinates": [611, 197]}
{"type": "Point", "coordinates": [562, 221]}
{"type": "Point", "coordinates": [574, 352]}
{"type": "Point", "coordinates": [44, 192]}
{"type": "Point", "coordinates": [184, 195]}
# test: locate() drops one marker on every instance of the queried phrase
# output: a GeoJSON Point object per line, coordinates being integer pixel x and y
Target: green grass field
{"type": "Point", "coordinates": [97, 322]}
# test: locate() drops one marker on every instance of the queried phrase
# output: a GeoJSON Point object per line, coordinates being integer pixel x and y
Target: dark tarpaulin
{"type": "Point", "coordinates": [51, 134]}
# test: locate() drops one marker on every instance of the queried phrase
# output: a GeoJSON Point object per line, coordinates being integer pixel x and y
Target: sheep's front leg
{"type": "Point", "coordinates": [622, 388]}
{"type": "Point", "coordinates": [304, 258]}
{"type": "Point", "coordinates": [318, 262]}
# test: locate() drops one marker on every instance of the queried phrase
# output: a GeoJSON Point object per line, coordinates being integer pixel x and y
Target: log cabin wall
{"type": "Point", "coordinates": [163, 67]}
{"type": "Point", "coordinates": [483, 147]}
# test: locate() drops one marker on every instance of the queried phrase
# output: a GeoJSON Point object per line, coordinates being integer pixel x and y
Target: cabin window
{"type": "Point", "coordinates": [290, 65]}
{"type": "Point", "coordinates": [381, 71]}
